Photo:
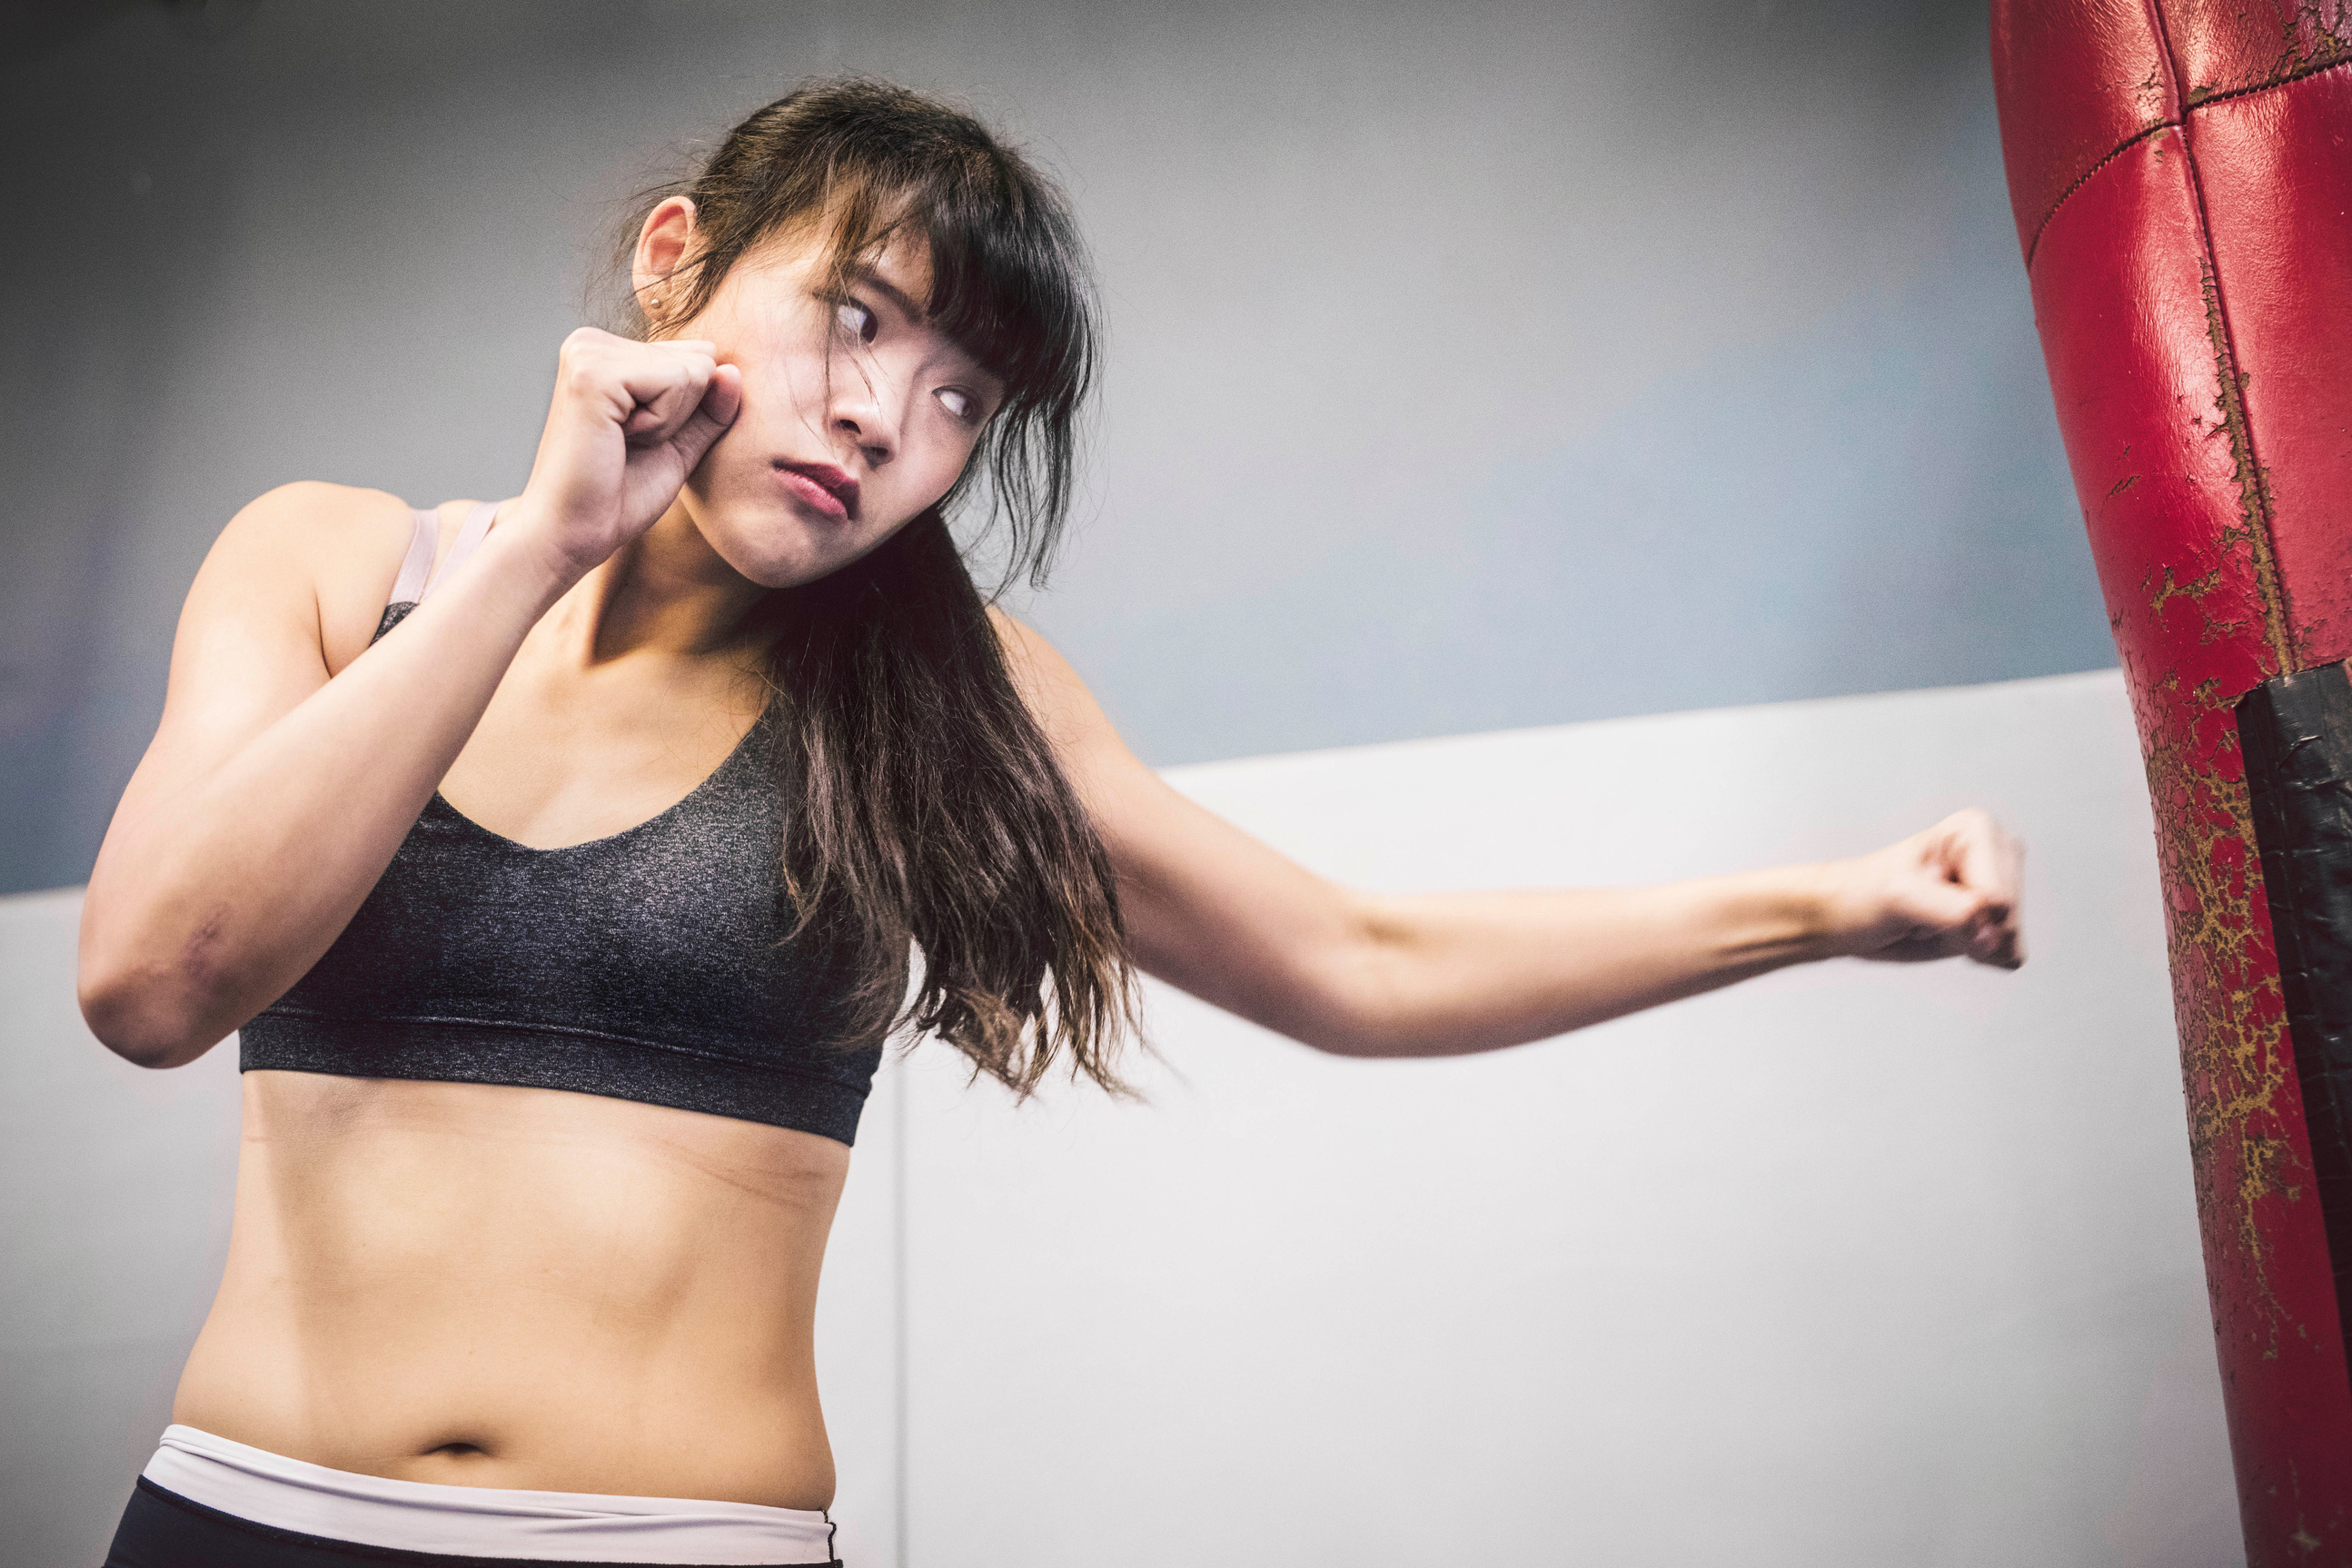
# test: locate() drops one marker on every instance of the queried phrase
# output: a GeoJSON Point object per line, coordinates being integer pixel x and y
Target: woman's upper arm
{"type": "Point", "coordinates": [1208, 907]}
{"type": "Point", "coordinates": [269, 609]}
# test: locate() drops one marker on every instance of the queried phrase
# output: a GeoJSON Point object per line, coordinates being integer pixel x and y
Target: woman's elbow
{"type": "Point", "coordinates": [1348, 1009]}
{"type": "Point", "coordinates": [1344, 1033]}
{"type": "Point", "coordinates": [1347, 1005]}
{"type": "Point", "coordinates": [135, 1013]}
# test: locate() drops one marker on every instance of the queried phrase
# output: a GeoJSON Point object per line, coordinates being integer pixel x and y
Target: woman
{"type": "Point", "coordinates": [560, 862]}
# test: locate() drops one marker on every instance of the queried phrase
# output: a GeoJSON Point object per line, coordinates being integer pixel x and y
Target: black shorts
{"type": "Point", "coordinates": [164, 1529]}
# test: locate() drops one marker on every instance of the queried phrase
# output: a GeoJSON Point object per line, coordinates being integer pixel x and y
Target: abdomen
{"type": "Point", "coordinates": [482, 1285]}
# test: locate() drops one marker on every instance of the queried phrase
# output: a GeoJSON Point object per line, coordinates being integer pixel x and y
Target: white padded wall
{"type": "Point", "coordinates": [1859, 1265]}
{"type": "Point", "coordinates": [116, 1186]}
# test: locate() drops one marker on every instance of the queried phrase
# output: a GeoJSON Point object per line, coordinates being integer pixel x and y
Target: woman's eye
{"type": "Point", "coordinates": [857, 320]}
{"type": "Point", "coordinates": [955, 400]}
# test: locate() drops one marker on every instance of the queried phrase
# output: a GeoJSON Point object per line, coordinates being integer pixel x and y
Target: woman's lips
{"type": "Point", "coordinates": [829, 490]}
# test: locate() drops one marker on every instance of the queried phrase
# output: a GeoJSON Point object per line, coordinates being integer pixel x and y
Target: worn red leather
{"type": "Point", "coordinates": [2223, 46]}
{"type": "Point", "coordinates": [2275, 168]}
{"type": "Point", "coordinates": [2181, 175]}
{"type": "Point", "coordinates": [2075, 81]}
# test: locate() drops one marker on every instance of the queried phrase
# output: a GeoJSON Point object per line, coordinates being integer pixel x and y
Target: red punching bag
{"type": "Point", "coordinates": [2181, 171]}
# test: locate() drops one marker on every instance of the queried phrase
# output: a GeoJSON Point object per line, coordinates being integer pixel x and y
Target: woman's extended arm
{"type": "Point", "coordinates": [275, 792]}
{"type": "Point", "coordinates": [1223, 916]}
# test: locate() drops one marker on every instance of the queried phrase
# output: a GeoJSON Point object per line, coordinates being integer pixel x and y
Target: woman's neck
{"type": "Point", "coordinates": [666, 593]}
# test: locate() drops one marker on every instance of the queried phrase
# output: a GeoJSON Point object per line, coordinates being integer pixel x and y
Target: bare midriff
{"type": "Point", "coordinates": [485, 1286]}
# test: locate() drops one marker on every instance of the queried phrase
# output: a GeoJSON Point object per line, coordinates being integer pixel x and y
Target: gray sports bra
{"type": "Point", "coordinates": [652, 964]}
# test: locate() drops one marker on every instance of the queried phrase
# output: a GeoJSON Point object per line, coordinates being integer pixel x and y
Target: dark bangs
{"type": "Point", "coordinates": [1007, 283]}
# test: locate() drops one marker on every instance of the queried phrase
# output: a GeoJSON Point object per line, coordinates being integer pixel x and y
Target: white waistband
{"type": "Point", "coordinates": [479, 1522]}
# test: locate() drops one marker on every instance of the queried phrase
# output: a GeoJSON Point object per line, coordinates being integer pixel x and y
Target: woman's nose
{"type": "Point", "coordinates": [858, 413]}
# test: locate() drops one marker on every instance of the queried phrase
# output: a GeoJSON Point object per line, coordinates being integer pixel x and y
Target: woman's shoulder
{"type": "Point", "coordinates": [340, 545]}
{"type": "Point", "coordinates": [1039, 672]}
{"type": "Point", "coordinates": [307, 508]}
{"type": "Point", "coordinates": [1056, 697]}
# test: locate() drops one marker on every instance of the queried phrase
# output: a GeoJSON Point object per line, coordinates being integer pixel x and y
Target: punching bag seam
{"type": "Point", "coordinates": [2145, 131]}
{"type": "Point", "coordinates": [2126, 145]}
{"type": "Point", "coordinates": [2254, 490]}
{"type": "Point", "coordinates": [2317, 68]}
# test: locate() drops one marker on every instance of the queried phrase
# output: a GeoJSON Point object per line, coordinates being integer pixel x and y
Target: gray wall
{"type": "Point", "coordinates": [1472, 365]}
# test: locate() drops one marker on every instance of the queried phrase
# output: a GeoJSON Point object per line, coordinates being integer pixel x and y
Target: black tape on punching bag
{"type": "Point", "coordinates": [2295, 733]}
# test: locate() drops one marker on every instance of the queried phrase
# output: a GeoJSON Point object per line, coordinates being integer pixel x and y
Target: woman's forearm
{"type": "Point", "coordinates": [1450, 973]}
{"type": "Point", "coordinates": [223, 879]}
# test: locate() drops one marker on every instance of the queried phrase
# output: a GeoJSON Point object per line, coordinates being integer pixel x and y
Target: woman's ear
{"type": "Point", "coordinates": [662, 244]}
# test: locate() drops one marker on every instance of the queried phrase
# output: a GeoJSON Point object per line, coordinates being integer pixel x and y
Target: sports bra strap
{"type": "Point", "coordinates": [478, 523]}
{"type": "Point", "coordinates": [410, 583]}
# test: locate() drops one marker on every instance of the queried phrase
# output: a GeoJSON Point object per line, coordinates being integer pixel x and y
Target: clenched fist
{"type": "Point", "coordinates": [628, 422]}
{"type": "Point", "coordinates": [1949, 891]}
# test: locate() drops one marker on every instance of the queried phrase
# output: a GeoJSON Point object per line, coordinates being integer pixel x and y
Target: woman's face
{"type": "Point", "coordinates": [858, 414]}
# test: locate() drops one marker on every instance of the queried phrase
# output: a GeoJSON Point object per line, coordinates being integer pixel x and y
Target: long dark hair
{"type": "Point", "coordinates": [925, 806]}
